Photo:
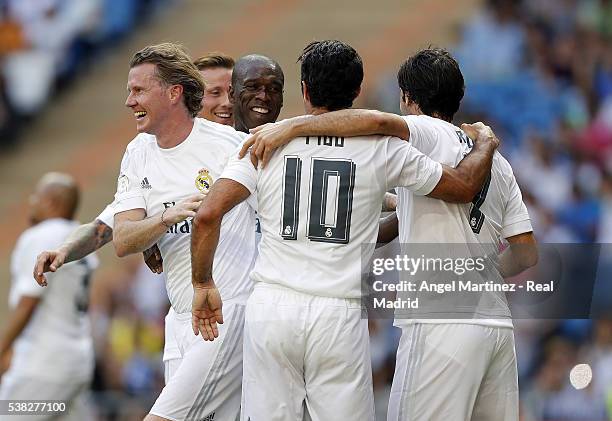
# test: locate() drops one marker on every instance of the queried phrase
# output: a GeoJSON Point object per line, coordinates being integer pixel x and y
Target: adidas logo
{"type": "Point", "coordinates": [209, 417]}
{"type": "Point", "coordinates": [144, 184]}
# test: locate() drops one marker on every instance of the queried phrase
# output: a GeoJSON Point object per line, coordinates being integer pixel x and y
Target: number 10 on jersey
{"type": "Point", "coordinates": [330, 200]}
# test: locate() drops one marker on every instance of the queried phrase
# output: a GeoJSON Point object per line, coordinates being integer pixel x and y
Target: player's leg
{"type": "Point", "coordinates": [207, 383]}
{"type": "Point", "coordinates": [439, 368]}
{"type": "Point", "coordinates": [273, 384]}
{"type": "Point", "coordinates": [337, 365]}
{"type": "Point", "coordinates": [497, 398]}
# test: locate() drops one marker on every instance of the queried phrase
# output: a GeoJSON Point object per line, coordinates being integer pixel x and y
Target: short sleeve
{"type": "Point", "coordinates": [421, 134]}
{"type": "Point", "coordinates": [516, 217]}
{"type": "Point", "coordinates": [129, 194]}
{"type": "Point", "coordinates": [407, 167]}
{"type": "Point", "coordinates": [107, 215]}
{"type": "Point", "coordinates": [242, 171]}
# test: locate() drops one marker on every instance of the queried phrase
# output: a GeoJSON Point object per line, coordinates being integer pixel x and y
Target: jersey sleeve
{"type": "Point", "coordinates": [129, 194]}
{"type": "Point", "coordinates": [516, 218]}
{"type": "Point", "coordinates": [107, 215]}
{"type": "Point", "coordinates": [241, 171]}
{"type": "Point", "coordinates": [422, 135]}
{"type": "Point", "coordinates": [407, 167]}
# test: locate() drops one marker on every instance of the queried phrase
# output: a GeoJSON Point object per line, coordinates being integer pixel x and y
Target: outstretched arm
{"type": "Point", "coordinates": [207, 305]}
{"type": "Point", "coordinates": [84, 240]}
{"type": "Point", "coordinates": [345, 123]}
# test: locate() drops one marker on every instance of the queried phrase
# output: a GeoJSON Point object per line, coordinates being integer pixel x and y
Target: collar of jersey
{"type": "Point", "coordinates": [183, 144]}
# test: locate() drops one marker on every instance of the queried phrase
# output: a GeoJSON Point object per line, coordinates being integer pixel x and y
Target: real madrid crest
{"type": "Point", "coordinates": [203, 181]}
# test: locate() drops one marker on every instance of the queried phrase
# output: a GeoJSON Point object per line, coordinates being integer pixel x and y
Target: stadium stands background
{"type": "Point", "coordinates": [539, 71]}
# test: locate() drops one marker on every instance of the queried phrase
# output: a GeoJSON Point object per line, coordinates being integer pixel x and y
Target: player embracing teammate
{"type": "Point", "coordinates": [306, 340]}
{"type": "Point", "coordinates": [306, 344]}
{"type": "Point", "coordinates": [461, 368]}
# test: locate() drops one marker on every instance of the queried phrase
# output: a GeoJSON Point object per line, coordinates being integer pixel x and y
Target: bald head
{"type": "Point", "coordinates": [56, 196]}
{"type": "Point", "coordinates": [255, 61]}
{"type": "Point", "coordinates": [257, 91]}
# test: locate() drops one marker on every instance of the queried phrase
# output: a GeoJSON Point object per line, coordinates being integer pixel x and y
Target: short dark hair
{"type": "Point", "coordinates": [432, 79]}
{"type": "Point", "coordinates": [332, 71]}
{"type": "Point", "coordinates": [214, 60]}
{"type": "Point", "coordinates": [174, 67]}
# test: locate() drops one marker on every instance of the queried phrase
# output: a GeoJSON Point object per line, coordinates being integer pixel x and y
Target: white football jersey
{"type": "Point", "coordinates": [496, 213]}
{"type": "Point", "coordinates": [56, 343]}
{"type": "Point", "coordinates": [153, 178]}
{"type": "Point", "coordinates": [319, 200]}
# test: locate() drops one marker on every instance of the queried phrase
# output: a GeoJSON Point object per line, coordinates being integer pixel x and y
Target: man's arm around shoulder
{"type": "Point", "coordinates": [341, 123]}
{"type": "Point", "coordinates": [461, 184]}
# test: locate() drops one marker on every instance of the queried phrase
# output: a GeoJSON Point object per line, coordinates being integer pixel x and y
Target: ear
{"type": "Point", "coordinates": [405, 97]}
{"type": "Point", "coordinates": [176, 91]}
{"type": "Point", "coordinates": [305, 93]}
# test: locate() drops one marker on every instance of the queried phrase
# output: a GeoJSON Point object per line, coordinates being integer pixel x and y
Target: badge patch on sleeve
{"type": "Point", "coordinates": [123, 184]}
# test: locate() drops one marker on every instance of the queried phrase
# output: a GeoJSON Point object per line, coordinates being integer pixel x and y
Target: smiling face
{"type": "Point", "coordinates": [216, 105]}
{"type": "Point", "coordinates": [258, 94]}
{"type": "Point", "coordinates": [148, 98]}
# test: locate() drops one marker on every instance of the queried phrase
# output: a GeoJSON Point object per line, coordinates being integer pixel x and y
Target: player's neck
{"type": "Point", "coordinates": [317, 111]}
{"type": "Point", "coordinates": [412, 108]}
{"type": "Point", "coordinates": [438, 116]}
{"type": "Point", "coordinates": [49, 216]}
{"type": "Point", "coordinates": [433, 115]}
{"type": "Point", "coordinates": [174, 132]}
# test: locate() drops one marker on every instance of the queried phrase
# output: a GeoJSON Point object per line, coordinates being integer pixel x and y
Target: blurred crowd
{"type": "Point", "coordinates": [540, 73]}
{"type": "Point", "coordinates": [45, 44]}
{"type": "Point", "coordinates": [127, 311]}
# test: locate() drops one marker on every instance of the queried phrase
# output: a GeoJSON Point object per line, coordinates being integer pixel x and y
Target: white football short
{"type": "Point", "coordinates": [305, 356]}
{"type": "Point", "coordinates": [203, 378]}
{"type": "Point", "coordinates": [459, 372]}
